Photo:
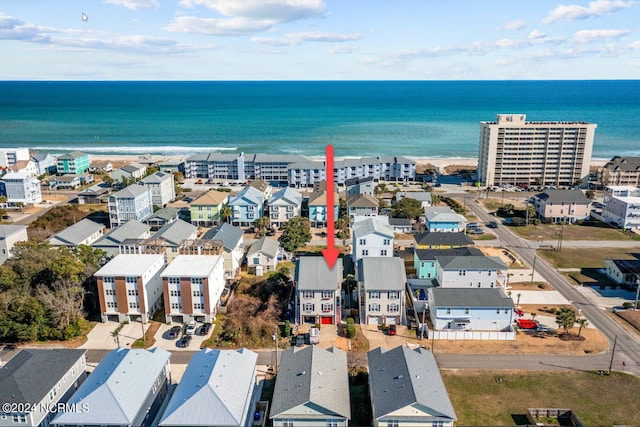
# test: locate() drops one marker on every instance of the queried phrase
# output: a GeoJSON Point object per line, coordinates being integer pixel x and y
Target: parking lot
{"type": "Point", "coordinates": [165, 342]}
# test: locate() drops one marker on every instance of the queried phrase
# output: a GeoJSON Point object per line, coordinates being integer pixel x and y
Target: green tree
{"type": "Point", "coordinates": [590, 194]}
{"type": "Point", "coordinates": [566, 318]}
{"type": "Point", "coordinates": [407, 208]}
{"type": "Point", "coordinates": [295, 233]}
{"type": "Point", "coordinates": [582, 323]}
{"type": "Point", "coordinates": [226, 212]}
{"type": "Point", "coordinates": [531, 213]}
{"type": "Point", "coordinates": [261, 225]}
{"type": "Point", "coordinates": [342, 208]}
{"type": "Point", "coordinates": [3, 200]}
{"type": "Point", "coordinates": [342, 228]}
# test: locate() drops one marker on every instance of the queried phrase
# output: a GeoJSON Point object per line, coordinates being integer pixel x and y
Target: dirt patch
{"type": "Point", "coordinates": [149, 340]}
{"type": "Point", "coordinates": [528, 286]}
{"type": "Point", "coordinates": [505, 255]}
{"type": "Point", "coordinates": [458, 169]}
{"type": "Point", "coordinates": [631, 317]}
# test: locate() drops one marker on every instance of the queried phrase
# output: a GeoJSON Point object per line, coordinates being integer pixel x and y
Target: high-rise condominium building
{"type": "Point", "coordinates": [515, 151]}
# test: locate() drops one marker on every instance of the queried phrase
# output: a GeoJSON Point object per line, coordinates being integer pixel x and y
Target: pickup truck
{"type": "Point", "coordinates": [314, 336]}
{"type": "Point", "coordinates": [527, 324]}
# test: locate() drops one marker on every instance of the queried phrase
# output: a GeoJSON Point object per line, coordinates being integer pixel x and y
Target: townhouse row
{"type": "Point", "coordinates": [134, 387]}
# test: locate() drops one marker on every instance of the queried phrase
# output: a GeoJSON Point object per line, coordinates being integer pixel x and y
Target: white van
{"type": "Point", "coordinates": [191, 328]}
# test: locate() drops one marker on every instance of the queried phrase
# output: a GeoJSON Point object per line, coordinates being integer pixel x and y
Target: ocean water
{"type": "Point", "coordinates": [410, 118]}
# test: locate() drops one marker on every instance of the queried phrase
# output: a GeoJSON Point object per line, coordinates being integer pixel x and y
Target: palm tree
{"type": "Point", "coordinates": [582, 323]}
{"type": "Point", "coordinates": [518, 303]}
{"type": "Point", "coordinates": [566, 318]}
{"type": "Point", "coordinates": [226, 212]}
{"type": "Point", "coordinates": [533, 316]}
{"type": "Point", "coordinates": [260, 225]}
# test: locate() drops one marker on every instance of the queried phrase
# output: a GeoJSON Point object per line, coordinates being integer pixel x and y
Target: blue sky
{"type": "Point", "coordinates": [319, 39]}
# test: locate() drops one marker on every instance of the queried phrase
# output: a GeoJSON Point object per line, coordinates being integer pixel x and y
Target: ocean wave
{"type": "Point", "coordinates": [174, 150]}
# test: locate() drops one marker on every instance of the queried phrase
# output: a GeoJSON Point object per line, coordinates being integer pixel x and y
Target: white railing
{"type": "Point", "coordinates": [473, 335]}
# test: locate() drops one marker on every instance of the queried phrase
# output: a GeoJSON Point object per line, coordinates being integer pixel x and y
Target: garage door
{"type": "Point", "coordinates": [391, 321]}
{"type": "Point", "coordinates": [373, 320]}
{"type": "Point", "coordinates": [327, 320]}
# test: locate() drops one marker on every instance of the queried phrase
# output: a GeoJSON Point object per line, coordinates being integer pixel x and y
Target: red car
{"type": "Point", "coordinates": [518, 312]}
{"type": "Point", "coordinates": [392, 330]}
{"type": "Point", "coordinates": [527, 324]}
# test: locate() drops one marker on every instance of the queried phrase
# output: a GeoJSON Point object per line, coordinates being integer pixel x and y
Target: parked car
{"type": "Point", "coordinates": [475, 231]}
{"type": "Point", "coordinates": [6, 217]}
{"type": "Point", "coordinates": [184, 341]}
{"type": "Point", "coordinates": [518, 312]}
{"type": "Point", "coordinates": [300, 340]}
{"type": "Point", "coordinates": [204, 329]}
{"type": "Point", "coordinates": [392, 330]}
{"type": "Point", "coordinates": [314, 336]}
{"type": "Point", "coordinates": [174, 332]}
{"type": "Point", "coordinates": [472, 225]}
{"type": "Point", "coordinates": [191, 328]}
{"type": "Point", "coordinates": [492, 224]}
{"type": "Point", "coordinates": [527, 324]}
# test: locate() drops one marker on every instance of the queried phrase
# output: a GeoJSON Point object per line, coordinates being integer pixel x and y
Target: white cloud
{"type": "Point", "coordinates": [216, 26]}
{"type": "Point", "coordinates": [514, 25]}
{"type": "Point", "coordinates": [586, 36]}
{"type": "Point", "coordinates": [15, 29]}
{"type": "Point", "coordinates": [297, 38]}
{"type": "Point", "coordinates": [278, 11]}
{"type": "Point", "coordinates": [536, 35]}
{"type": "Point", "coordinates": [342, 49]}
{"type": "Point", "coordinates": [635, 45]}
{"type": "Point", "coordinates": [135, 4]}
{"type": "Point", "coordinates": [595, 8]}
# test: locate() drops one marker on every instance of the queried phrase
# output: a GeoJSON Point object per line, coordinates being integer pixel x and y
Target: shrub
{"type": "Point", "coordinates": [350, 321]}
{"type": "Point", "coordinates": [541, 285]}
{"type": "Point", "coordinates": [627, 305]}
{"type": "Point", "coordinates": [186, 190]}
{"type": "Point", "coordinates": [317, 325]}
{"type": "Point", "coordinates": [287, 328]}
{"type": "Point", "coordinates": [351, 330]}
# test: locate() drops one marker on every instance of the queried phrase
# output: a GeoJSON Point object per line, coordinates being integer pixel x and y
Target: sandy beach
{"type": "Point", "coordinates": [440, 163]}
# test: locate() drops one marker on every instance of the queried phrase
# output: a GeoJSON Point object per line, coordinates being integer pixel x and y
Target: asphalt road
{"type": "Point", "coordinates": [627, 348]}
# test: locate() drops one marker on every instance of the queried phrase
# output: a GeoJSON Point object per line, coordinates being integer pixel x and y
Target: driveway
{"type": "Point", "coordinates": [101, 336]}
{"type": "Point", "coordinates": [540, 297]}
{"type": "Point", "coordinates": [378, 338]}
{"type": "Point", "coordinates": [170, 344]}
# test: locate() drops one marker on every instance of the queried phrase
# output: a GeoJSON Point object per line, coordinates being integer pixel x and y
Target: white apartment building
{"type": "Point", "coordinates": [318, 291]}
{"type": "Point", "coordinates": [515, 151]}
{"type": "Point", "coordinates": [382, 282]}
{"type": "Point", "coordinates": [192, 287]}
{"type": "Point", "coordinates": [162, 187]}
{"type": "Point", "coordinates": [471, 272]}
{"type": "Point", "coordinates": [371, 237]}
{"type": "Point", "coordinates": [622, 206]}
{"type": "Point", "coordinates": [130, 285]}
{"type": "Point", "coordinates": [133, 202]}
{"type": "Point", "coordinates": [10, 156]}
{"type": "Point", "coordinates": [11, 234]}
{"type": "Point", "coordinates": [22, 188]}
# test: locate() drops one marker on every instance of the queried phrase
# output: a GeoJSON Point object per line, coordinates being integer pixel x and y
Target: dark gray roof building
{"type": "Point", "coordinates": [471, 297]}
{"type": "Point", "coordinates": [442, 239]}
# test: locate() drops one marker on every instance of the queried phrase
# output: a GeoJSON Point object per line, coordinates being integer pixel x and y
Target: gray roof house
{"type": "Point", "coordinates": [381, 293]}
{"type": "Point", "coordinates": [39, 377]}
{"type": "Point", "coordinates": [284, 205]}
{"type": "Point", "coordinates": [45, 163]}
{"type": "Point", "coordinates": [162, 217]}
{"type": "Point", "coordinates": [174, 233]}
{"type": "Point", "coordinates": [110, 242]}
{"type": "Point", "coordinates": [318, 290]}
{"type": "Point", "coordinates": [217, 389]}
{"type": "Point", "coordinates": [406, 387]}
{"type": "Point", "coordinates": [442, 240]}
{"type": "Point", "coordinates": [125, 389]}
{"type": "Point", "coordinates": [471, 270]}
{"type": "Point", "coordinates": [263, 256]}
{"type": "Point", "coordinates": [84, 232]}
{"type": "Point", "coordinates": [312, 387]}
{"type": "Point", "coordinates": [232, 239]}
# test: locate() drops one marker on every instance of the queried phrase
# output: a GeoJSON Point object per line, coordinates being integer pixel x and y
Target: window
{"type": "Point", "coordinates": [326, 308]}
{"type": "Point", "coordinates": [365, 252]}
{"type": "Point", "coordinates": [506, 311]}
{"type": "Point", "coordinates": [307, 294]}
{"type": "Point", "coordinates": [131, 280]}
{"type": "Point", "coordinates": [437, 423]}
{"type": "Point", "coordinates": [392, 423]}
{"type": "Point", "coordinates": [134, 305]}
{"type": "Point", "coordinates": [362, 241]}
{"type": "Point", "coordinates": [110, 292]}
{"type": "Point", "coordinates": [287, 423]}
{"type": "Point", "coordinates": [132, 292]}
{"type": "Point", "coordinates": [332, 423]}
{"type": "Point", "coordinates": [174, 293]}
{"type": "Point", "coordinates": [326, 294]}
{"type": "Point", "coordinates": [374, 295]}
{"type": "Point", "coordinates": [383, 252]}
{"type": "Point", "coordinates": [176, 306]}
{"type": "Point", "coordinates": [448, 311]}
{"type": "Point", "coordinates": [466, 311]}
{"type": "Point", "coordinates": [197, 293]}
{"type": "Point", "coordinates": [174, 281]}
{"type": "Point", "coordinates": [392, 308]}
{"type": "Point", "coordinates": [198, 306]}
{"type": "Point", "coordinates": [256, 261]}
{"type": "Point", "coordinates": [308, 307]}
{"type": "Point", "coordinates": [374, 307]}
{"type": "Point", "coordinates": [112, 305]}
{"type": "Point", "coordinates": [108, 279]}
{"type": "Point", "coordinates": [497, 311]}
{"type": "Point", "coordinates": [386, 242]}
{"type": "Point", "coordinates": [394, 295]}
{"type": "Point", "coordinates": [197, 281]}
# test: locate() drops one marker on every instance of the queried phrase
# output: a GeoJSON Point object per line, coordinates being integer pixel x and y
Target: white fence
{"type": "Point", "coordinates": [473, 335]}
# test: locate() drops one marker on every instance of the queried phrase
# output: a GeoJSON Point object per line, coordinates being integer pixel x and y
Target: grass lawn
{"type": "Point", "coordinates": [569, 232]}
{"type": "Point", "coordinates": [584, 258]}
{"type": "Point", "coordinates": [480, 400]}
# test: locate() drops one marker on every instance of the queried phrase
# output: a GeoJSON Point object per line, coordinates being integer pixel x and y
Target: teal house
{"type": "Point", "coordinates": [75, 163]}
{"type": "Point", "coordinates": [426, 264]}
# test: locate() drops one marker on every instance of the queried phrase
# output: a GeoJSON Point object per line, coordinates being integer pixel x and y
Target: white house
{"type": "Point", "coordinates": [84, 232]}
{"type": "Point", "coordinates": [133, 202]}
{"type": "Point", "coordinates": [382, 283]}
{"type": "Point", "coordinates": [127, 388]}
{"type": "Point", "coordinates": [362, 205]}
{"type": "Point", "coordinates": [218, 388]}
{"type": "Point", "coordinates": [284, 205]}
{"type": "Point", "coordinates": [623, 271]}
{"type": "Point", "coordinates": [42, 379]}
{"type": "Point", "coordinates": [130, 285]}
{"type": "Point", "coordinates": [263, 256]}
{"type": "Point", "coordinates": [162, 186]}
{"type": "Point", "coordinates": [471, 272]}
{"type": "Point", "coordinates": [22, 188]}
{"type": "Point", "coordinates": [470, 309]}
{"type": "Point", "coordinates": [371, 237]}
{"type": "Point", "coordinates": [11, 234]}
{"type": "Point", "coordinates": [406, 389]}
{"type": "Point", "coordinates": [318, 291]}
{"type": "Point", "coordinates": [622, 206]}
{"type": "Point", "coordinates": [444, 219]}
{"type": "Point", "coordinates": [10, 156]}
{"type": "Point", "coordinates": [192, 287]}
{"type": "Point", "coordinates": [232, 240]}
{"type": "Point", "coordinates": [132, 172]}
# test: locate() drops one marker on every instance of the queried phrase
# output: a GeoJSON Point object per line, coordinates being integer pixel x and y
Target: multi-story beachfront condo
{"type": "Point", "coordinates": [133, 202]}
{"type": "Point", "coordinates": [621, 171]}
{"type": "Point", "coordinates": [75, 163]}
{"type": "Point", "coordinates": [515, 151]}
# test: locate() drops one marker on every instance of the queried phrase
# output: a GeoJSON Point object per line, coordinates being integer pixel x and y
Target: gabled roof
{"type": "Point", "coordinates": [382, 273]}
{"type": "Point", "coordinates": [40, 157]}
{"type": "Point", "coordinates": [175, 232]}
{"type": "Point", "coordinates": [117, 388]}
{"type": "Point", "coordinates": [17, 176]}
{"type": "Point", "coordinates": [357, 181]}
{"type": "Point", "coordinates": [66, 178]}
{"type": "Point", "coordinates": [230, 236]}
{"type": "Point", "coordinates": [471, 262]}
{"type": "Point", "coordinates": [443, 214]}
{"type": "Point", "coordinates": [72, 155]}
{"type": "Point", "coordinates": [132, 191]}
{"type": "Point", "coordinates": [156, 178]}
{"type": "Point", "coordinates": [191, 266]}
{"type": "Point", "coordinates": [362, 201]}
{"type": "Point", "coordinates": [76, 233]}
{"type": "Point", "coordinates": [421, 196]}
{"type": "Point", "coordinates": [166, 214]}
{"type": "Point", "coordinates": [129, 265]}
{"type": "Point", "coordinates": [567, 196]}
{"type": "Point", "coordinates": [312, 273]}
{"type": "Point", "coordinates": [445, 238]}
{"type": "Point", "coordinates": [624, 163]}
{"type": "Point", "coordinates": [248, 196]}
{"type": "Point", "coordinates": [131, 229]}
{"type": "Point", "coordinates": [97, 190]}
{"type": "Point", "coordinates": [628, 266]}
{"type": "Point", "coordinates": [212, 198]}
{"type": "Point", "coordinates": [402, 377]}
{"type": "Point", "coordinates": [372, 225]}
{"type": "Point", "coordinates": [431, 254]}
{"type": "Point", "coordinates": [259, 185]}
{"type": "Point", "coordinates": [286, 197]}
{"type": "Point", "coordinates": [267, 246]}
{"type": "Point", "coordinates": [215, 389]}
{"type": "Point", "coordinates": [133, 167]}
{"type": "Point", "coordinates": [8, 230]}
{"type": "Point", "coordinates": [312, 376]}
{"type": "Point", "coordinates": [31, 374]}
{"type": "Point", "coordinates": [471, 297]}
{"type": "Point", "coordinates": [319, 198]}
{"type": "Point", "coordinates": [400, 222]}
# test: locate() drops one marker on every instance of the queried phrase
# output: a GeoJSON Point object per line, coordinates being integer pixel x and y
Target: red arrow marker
{"type": "Point", "coordinates": [331, 253]}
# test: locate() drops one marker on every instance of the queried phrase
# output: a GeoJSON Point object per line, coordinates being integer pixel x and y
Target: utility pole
{"type": "Point", "coordinates": [635, 306]}
{"type": "Point", "coordinates": [142, 325]}
{"type": "Point", "coordinates": [533, 270]}
{"type": "Point", "coordinates": [424, 311]}
{"type": "Point", "coordinates": [613, 352]}
{"type": "Point", "coordinates": [275, 338]}
{"type": "Point", "coordinates": [503, 197]}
